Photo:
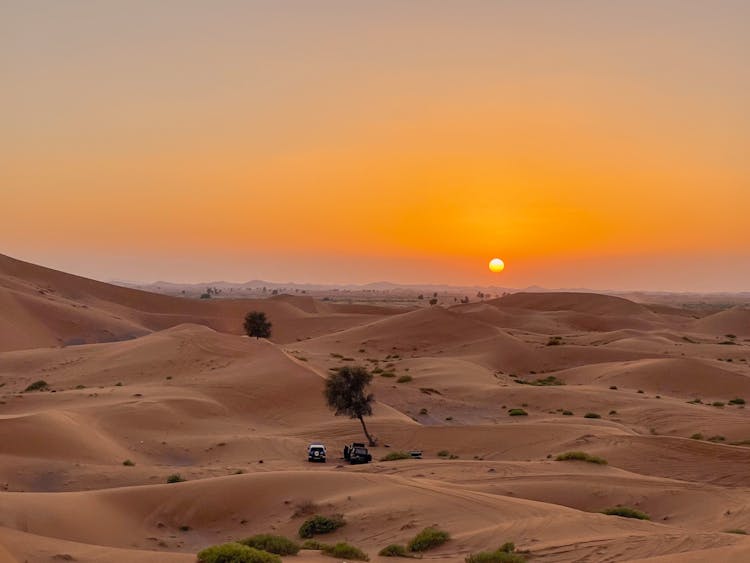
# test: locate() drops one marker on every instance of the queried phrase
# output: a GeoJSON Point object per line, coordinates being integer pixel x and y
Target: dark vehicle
{"type": "Point", "coordinates": [316, 452]}
{"type": "Point", "coordinates": [357, 453]}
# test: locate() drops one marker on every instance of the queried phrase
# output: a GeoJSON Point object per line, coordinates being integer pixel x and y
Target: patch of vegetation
{"type": "Point", "coordinates": [506, 554]}
{"type": "Point", "coordinates": [395, 456]}
{"type": "Point", "coordinates": [272, 544]}
{"type": "Point", "coordinates": [394, 550]}
{"type": "Point", "coordinates": [404, 379]}
{"type": "Point", "coordinates": [626, 512]}
{"type": "Point", "coordinates": [641, 391]}
{"type": "Point", "coordinates": [554, 341]}
{"type": "Point", "coordinates": [423, 411]}
{"type": "Point", "coordinates": [429, 391]}
{"type": "Point", "coordinates": [429, 538]}
{"type": "Point", "coordinates": [236, 553]}
{"type": "Point", "coordinates": [517, 412]}
{"type": "Point", "coordinates": [612, 413]}
{"type": "Point", "coordinates": [695, 402]}
{"type": "Point", "coordinates": [321, 525]}
{"type": "Point", "coordinates": [613, 387]}
{"type": "Point", "coordinates": [544, 381]}
{"type": "Point", "coordinates": [736, 531]}
{"type": "Point", "coordinates": [175, 478]}
{"type": "Point", "coordinates": [592, 415]}
{"type": "Point", "coordinates": [40, 385]}
{"type": "Point", "coordinates": [717, 439]}
{"type": "Point", "coordinates": [697, 436]}
{"type": "Point", "coordinates": [343, 550]}
{"type": "Point", "coordinates": [581, 456]}
{"type": "Point", "coordinates": [737, 401]}
{"type": "Point", "coordinates": [717, 404]}
{"type": "Point", "coordinates": [312, 544]}
{"type": "Point", "coordinates": [567, 413]}
{"type": "Point", "coordinates": [386, 373]}
{"type": "Point", "coordinates": [128, 463]}
{"type": "Point", "coordinates": [443, 453]}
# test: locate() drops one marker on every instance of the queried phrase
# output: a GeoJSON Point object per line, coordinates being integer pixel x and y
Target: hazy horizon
{"type": "Point", "coordinates": [588, 144]}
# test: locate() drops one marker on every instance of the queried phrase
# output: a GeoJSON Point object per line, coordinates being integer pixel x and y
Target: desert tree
{"type": "Point", "coordinates": [346, 393]}
{"type": "Point", "coordinates": [257, 325]}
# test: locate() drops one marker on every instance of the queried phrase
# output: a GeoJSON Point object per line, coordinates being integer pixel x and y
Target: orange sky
{"type": "Point", "coordinates": [589, 144]}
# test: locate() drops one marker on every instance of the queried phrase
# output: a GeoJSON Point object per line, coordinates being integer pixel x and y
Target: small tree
{"type": "Point", "coordinates": [257, 325]}
{"type": "Point", "coordinates": [346, 393]}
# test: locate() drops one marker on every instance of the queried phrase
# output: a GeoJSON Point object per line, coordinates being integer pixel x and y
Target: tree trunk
{"type": "Point", "coordinates": [371, 442]}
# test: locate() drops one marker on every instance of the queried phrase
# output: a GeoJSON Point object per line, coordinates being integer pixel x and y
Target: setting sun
{"type": "Point", "coordinates": [497, 265]}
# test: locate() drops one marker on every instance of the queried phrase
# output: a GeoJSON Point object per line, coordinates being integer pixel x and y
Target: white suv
{"type": "Point", "coordinates": [316, 452]}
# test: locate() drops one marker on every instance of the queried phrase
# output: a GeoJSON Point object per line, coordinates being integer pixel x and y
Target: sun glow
{"type": "Point", "coordinates": [497, 265]}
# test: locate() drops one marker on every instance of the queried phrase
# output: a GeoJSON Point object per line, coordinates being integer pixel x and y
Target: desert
{"type": "Point", "coordinates": [141, 386]}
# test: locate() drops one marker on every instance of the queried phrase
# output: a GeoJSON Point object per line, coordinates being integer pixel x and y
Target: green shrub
{"type": "Point", "coordinates": [175, 478]}
{"type": "Point", "coordinates": [717, 404]}
{"type": "Point", "coordinates": [592, 415]}
{"type": "Point", "coordinates": [495, 557]}
{"type": "Point", "coordinates": [312, 544]}
{"type": "Point", "coordinates": [717, 439]}
{"type": "Point", "coordinates": [272, 544]}
{"type": "Point", "coordinates": [567, 413]}
{"type": "Point", "coordinates": [236, 553]}
{"type": "Point", "coordinates": [581, 456]}
{"type": "Point", "coordinates": [697, 436]}
{"type": "Point", "coordinates": [626, 512]}
{"type": "Point", "coordinates": [40, 385]}
{"type": "Point", "coordinates": [395, 456]}
{"type": "Point", "coordinates": [404, 379]}
{"type": "Point", "coordinates": [387, 374]}
{"type": "Point", "coordinates": [517, 412]}
{"type": "Point", "coordinates": [428, 538]}
{"type": "Point", "coordinates": [545, 381]}
{"type": "Point", "coordinates": [320, 525]}
{"type": "Point", "coordinates": [737, 401]}
{"type": "Point", "coordinates": [736, 531]}
{"type": "Point", "coordinates": [394, 550]}
{"type": "Point", "coordinates": [343, 550]}
{"type": "Point", "coordinates": [128, 463]}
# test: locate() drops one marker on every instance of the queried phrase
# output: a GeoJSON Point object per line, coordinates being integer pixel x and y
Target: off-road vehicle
{"type": "Point", "coordinates": [316, 452]}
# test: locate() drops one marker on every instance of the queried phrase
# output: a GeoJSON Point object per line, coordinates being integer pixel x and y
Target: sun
{"type": "Point", "coordinates": [497, 265]}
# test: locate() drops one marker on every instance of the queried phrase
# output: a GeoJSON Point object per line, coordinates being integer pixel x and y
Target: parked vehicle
{"type": "Point", "coordinates": [357, 453]}
{"type": "Point", "coordinates": [316, 452]}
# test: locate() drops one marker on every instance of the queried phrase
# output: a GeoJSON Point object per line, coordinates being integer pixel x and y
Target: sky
{"type": "Point", "coordinates": [586, 143]}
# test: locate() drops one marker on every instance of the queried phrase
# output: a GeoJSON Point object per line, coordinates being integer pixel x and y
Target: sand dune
{"type": "Point", "coordinates": [168, 384]}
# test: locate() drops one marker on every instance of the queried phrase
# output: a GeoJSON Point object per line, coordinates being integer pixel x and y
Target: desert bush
{"type": "Point", "coordinates": [697, 436]}
{"type": "Point", "coordinates": [175, 478]}
{"type": "Point", "coordinates": [717, 439]}
{"type": "Point", "coordinates": [394, 550]}
{"type": "Point", "coordinates": [257, 325]}
{"type": "Point", "coordinates": [236, 553]}
{"type": "Point", "coordinates": [736, 531]}
{"type": "Point", "coordinates": [443, 453]}
{"type": "Point", "coordinates": [272, 544]}
{"type": "Point", "coordinates": [554, 341]}
{"type": "Point", "coordinates": [506, 554]}
{"type": "Point", "coordinates": [567, 413]}
{"type": "Point", "coordinates": [343, 550]}
{"type": "Point", "coordinates": [387, 374]}
{"type": "Point", "coordinates": [428, 538]}
{"type": "Point", "coordinates": [395, 456]}
{"type": "Point", "coordinates": [40, 385]}
{"type": "Point", "coordinates": [320, 525]}
{"type": "Point", "coordinates": [517, 412]}
{"type": "Point", "coordinates": [128, 463]}
{"type": "Point", "coordinates": [641, 391]}
{"type": "Point", "coordinates": [423, 411]}
{"type": "Point", "coordinates": [613, 387]}
{"type": "Point", "coordinates": [737, 401]}
{"type": "Point", "coordinates": [626, 512]}
{"type": "Point", "coordinates": [612, 413]}
{"type": "Point", "coordinates": [312, 544]}
{"type": "Point", "coordinates": [581, 456]}
{"type": "Point", "coordinates": [717, 404]}
{"type": "Point", "coordinates": [695, 402]}
{"type": "Point", "coordinates": [592, 415]}
{"type": "Point", "coordinates": [404, 379]}
{"type": "Point", "coordinates": [544, 381]}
